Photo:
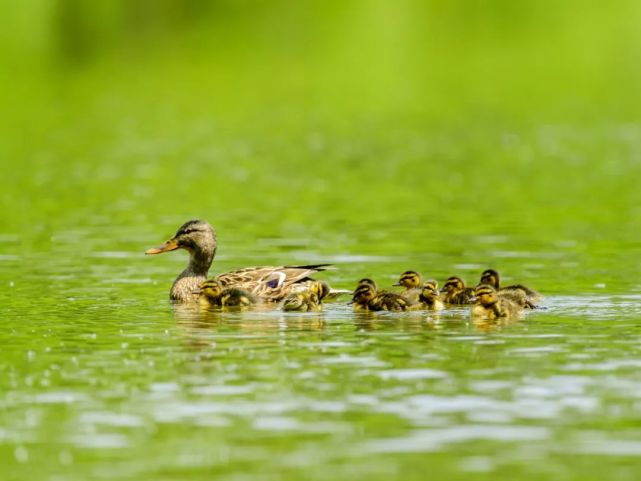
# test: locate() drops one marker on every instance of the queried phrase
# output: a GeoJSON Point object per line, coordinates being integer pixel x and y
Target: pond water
{"type": "Point", "coordinates": [102, 378]}
{"type": "Point", "coordinates": [470, 154]}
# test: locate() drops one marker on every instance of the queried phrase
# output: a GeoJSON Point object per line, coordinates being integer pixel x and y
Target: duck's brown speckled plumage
{"type": "Point", "coordinates": [269, 283]}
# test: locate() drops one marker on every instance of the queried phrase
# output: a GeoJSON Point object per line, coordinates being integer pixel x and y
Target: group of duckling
{"type": "Point", "coordinates": [488, 299]}
{"type": "Point", "coordinates": [292, 288]}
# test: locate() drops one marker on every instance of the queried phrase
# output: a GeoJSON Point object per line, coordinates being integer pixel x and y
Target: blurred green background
{"type": "Point", "coordinates": [451, 119]}
{"type": "Point", "coordinates": [444, 136]}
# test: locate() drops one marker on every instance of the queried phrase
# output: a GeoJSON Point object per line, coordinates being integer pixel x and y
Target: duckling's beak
{"type": "Point", "coordinates": [397, 283]}
{"type": "Point", "coordinates": [473, 299]}
{"type": "Point", "coordinates": [170, 245]}
{"type": "Point", "coordinates": [196, 291]}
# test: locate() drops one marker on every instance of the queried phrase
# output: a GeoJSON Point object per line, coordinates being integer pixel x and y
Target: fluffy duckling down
{"type": "Point", "coordinates": [518, 293]}
{"type": "Point", "coordinates": [309, 300]}
{"type": "Point", "coordinates": [454, 291]}
{"type": "Point", "coordinates": [366, 298]}
{"type": "Point", "coordinates": [212, 293]}
{"type": "Point", "coordinates": [411, 282]}
{"type": "Point", "coordinates": [489, 305]}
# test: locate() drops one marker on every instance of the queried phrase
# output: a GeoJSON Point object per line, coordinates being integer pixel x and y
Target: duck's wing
{"type": "Point", "coordinates": [269, 282]}
{"type": "Point", "coordinates": [277, 275]}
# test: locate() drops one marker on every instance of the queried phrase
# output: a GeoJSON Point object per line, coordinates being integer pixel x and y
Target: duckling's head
{"type": "Point", "coordinates": [485, 295]}
{"type": "Point", "coordinates": [368, 282]}
{"type": "Point", "coordinates": [491, 278]}
{"type": "Point", "coordinates": [430, 290]}
{"type": "Point", "coordinates": [195, 236]}
{"type": "Point", "coordinates": [409, 280]}
{"type": "Point", "coordinates": [363, 294]}
{"type": "Point", "coordinates": [453, 284]}
{"type": "Point", "coordinates": [320, 289]}
{"type": "Point", "coordinates": [211, 288]}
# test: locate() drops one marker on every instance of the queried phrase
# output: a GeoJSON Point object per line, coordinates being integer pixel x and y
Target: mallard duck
{"type": "Point", "coordinates": [366, 298]}
{"type": "Point", "coordinates": [212, 293]}
{"type": "Point", "coordinates": [488, 304]}
{"type": "Point", "coordinates": [455, 292]}
{"type": "Point", "coordinates": [522, 295]}
{"type": "Point", "coordinates": [197, 237]}
{"type": "Point", "coordinates": [429, 297]}
{"type": "Point", "coordinates": [309, 300]}
{"type": "Point", "coordinates": [411, 281]}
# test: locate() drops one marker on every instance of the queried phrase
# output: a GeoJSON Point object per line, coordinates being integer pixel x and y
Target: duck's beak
{"type": "Point", "coordinates": [170, 245]}
{"type": "Point", "coordinates": [196, 291]}
{"type": "Point", "coordinates": [473, 299]}
{"type": "Point", "coordinates": [397, 283]}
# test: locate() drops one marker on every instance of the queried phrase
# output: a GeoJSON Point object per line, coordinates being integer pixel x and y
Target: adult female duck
{"type": "Point", "coordinates": [268, 283]}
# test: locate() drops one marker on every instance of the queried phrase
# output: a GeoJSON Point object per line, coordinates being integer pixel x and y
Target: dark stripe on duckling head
{"type": "Point", "coordinates": [491, 277]}
{"type": "Point", "coordinates": [367, 282]}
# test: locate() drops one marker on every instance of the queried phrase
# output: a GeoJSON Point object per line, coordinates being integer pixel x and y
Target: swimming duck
{"type": "Point", "coordinates": [411, 281]}
{"type": "Point", "coordinates": [522, 295]}
{"type": "Point", "coordinates": [429, 297]}
{"type": "Point", "coordinates": [212, 293]}
{"type": "Point", "coordinates": [366, 298]}
{"type": "Point", "coordinates": [309, 300]}
{"type": "Point", "coordinates": [455, 292]}
{"type": "Point", "coordinates": [489, 305]}
{"type": "Point", "coordinates": [197, 237]}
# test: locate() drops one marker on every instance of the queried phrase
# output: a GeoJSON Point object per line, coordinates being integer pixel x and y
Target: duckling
{"type": "Point", "coordinates": [489, 305]}
{"type": "Point", "coordinates": [455, 292]}
{"type": "Point", "coordinates": [522, 295]}
{"type": "Point", "coordinates": [213, 294]}
{"type": "Point", "coordinates": [429, 297]}
{"type": "Point", "coordinates": [368, 282]}
{"type": "Point", "coordinates": [308, 300]}
{"type": "Point", "coordinates": [302, 302]}
{"type": "Point", "coordinates": [367, 299]}
{"type": "Point", "coordinates": [411, 281]}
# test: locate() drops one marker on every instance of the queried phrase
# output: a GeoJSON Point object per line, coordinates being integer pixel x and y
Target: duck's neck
{"type": "Point", "coordinates": [189, 280]}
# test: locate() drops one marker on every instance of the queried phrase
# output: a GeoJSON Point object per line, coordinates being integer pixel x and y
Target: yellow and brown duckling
{"type": "Point", "coordinates": [454, 291]}
{"type": "Point", "coordinates": [212, 293]}
{"type": "Point", "coordinates": [518, 293]}
{"type": "Point", "coordinates": [412, 282]}
{"type": "Point", "coordinates": [366, 298]}
{"type": "Point", "coordinates": [309, 300]}
{"type": "Point", "coordinates": [489, 305]}
{"type": "Point", "coordinates": [430, 297]}
{"type": "Point", "coordinates": [269, 283]}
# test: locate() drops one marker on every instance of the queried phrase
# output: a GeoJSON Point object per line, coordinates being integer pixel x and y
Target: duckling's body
{"type": "Point", "coordinates": [411, 281]}
{"type": "Point", "coordinates": [367, 299]}
{"type": "Point", "coordinates": [269, 283]}
{"type": "Point", "coordinates": [517, 293]}
{"type": "Point", "coordinates": [489, 305]}
{"type": "Point", "coordinates": [455, 292]}
{"type": "Point", "coordinates": [309, 300]}
{"type": "Point", "coordinates": [429, 298]}
{"type": "Point", "coordinates": [213, 294]}
{"type": "Point", "coordinates": [302, 302]}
